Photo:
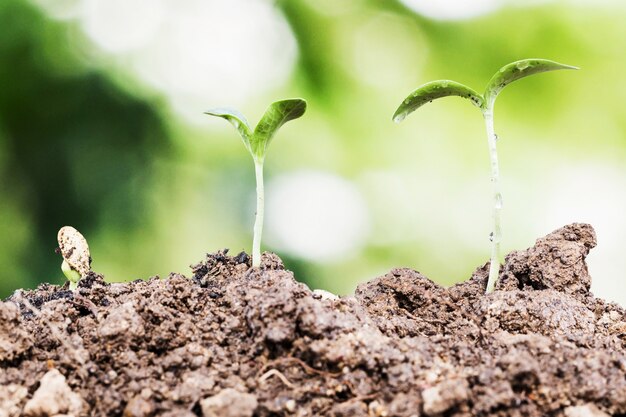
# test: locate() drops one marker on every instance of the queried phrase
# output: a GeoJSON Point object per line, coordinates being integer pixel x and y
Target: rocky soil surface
{"type": "Point", "coordinates": [232, 341]}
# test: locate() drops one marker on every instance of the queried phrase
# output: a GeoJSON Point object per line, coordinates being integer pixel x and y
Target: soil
{"type": "Point", "coordinates": [239, 342]}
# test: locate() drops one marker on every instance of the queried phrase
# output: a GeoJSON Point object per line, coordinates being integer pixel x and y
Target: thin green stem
{"type": "Point", "coordinates": [496, 234]}
{"type": "Point", "coordinates": [260, 206]}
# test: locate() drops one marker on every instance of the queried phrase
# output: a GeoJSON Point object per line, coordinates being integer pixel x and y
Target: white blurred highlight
{"type": "Point", "coordinates": [198, 53]}
{"type": "Point", "coordinates": [465, 9]}
{"type": "Point", "coordinates": [594, 194]}
{"type": "Point", "coordinates": [452, 9]}
{"type": "Point", "coordinates": [315, 215]}
{"type": "Point", "coordinates": [122, 25]}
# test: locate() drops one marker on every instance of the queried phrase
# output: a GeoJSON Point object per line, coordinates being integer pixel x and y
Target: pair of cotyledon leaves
{"type": "Point", "coordinates": [443, 88]}
{"type": "Point", "coordinates": [280, 112]}
{"type": "Point", "coordinates": [276, 115]}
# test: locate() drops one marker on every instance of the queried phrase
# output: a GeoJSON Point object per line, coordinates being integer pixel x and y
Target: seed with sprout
{"type": "Point", "coordinates": [75, 251]}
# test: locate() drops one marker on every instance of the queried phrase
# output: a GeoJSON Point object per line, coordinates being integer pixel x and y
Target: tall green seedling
{"type": "Point", "coordinates": [257, 142]}
{"type": "Point", "coordinates": [443, 88]}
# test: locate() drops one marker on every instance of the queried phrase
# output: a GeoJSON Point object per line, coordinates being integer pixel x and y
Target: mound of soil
{"type": "Point", "coordinates": [239, 342]}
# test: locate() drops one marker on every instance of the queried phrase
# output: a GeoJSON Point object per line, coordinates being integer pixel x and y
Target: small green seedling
{"type": "Point", "coordinates": [75, 251]}
{"type": "Point", "coordinates": [443, 88]}
{"type": "Point", "coordinates": [257, 142]}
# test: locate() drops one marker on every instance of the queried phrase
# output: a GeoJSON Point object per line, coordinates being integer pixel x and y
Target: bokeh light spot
{"type": "Point", "coordinates": [452, 9]}
{"type": "Point", "coordinates": [315, 215]}
{"type": "Point", "coordinates": [122, 25]}
{"type": "Point", "coordinates": [198, 53]}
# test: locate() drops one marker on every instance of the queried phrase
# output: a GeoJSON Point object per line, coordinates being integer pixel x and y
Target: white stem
{"type": "Point", "coordinates": [258, 222]}
{"type": "Point", "coordinates": [496, 234]}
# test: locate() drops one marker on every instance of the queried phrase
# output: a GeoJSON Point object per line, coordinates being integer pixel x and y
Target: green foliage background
{"type": "Point", "coordinates": [85, 143]}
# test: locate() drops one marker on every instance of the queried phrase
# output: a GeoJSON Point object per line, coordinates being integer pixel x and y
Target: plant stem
{"type": "Point", "coordinates": [496, 234]}
{"type": "Point", "coordinates": [71, 275]}
{"type": "Point", "coordinates": [258, 221]}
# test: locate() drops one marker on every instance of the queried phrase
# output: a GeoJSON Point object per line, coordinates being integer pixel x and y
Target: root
{"type": "Point", "coordinates": [274, 372]}
{"type": "Point", "coordinates": [308, 369]}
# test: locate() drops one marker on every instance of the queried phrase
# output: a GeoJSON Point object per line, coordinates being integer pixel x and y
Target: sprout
{"type": "Point", "coordinates": [257, 142]}
{"type": "Point", "coordinates": [75, 251]}
{"type": "Point", "coordinates": [444, 88]}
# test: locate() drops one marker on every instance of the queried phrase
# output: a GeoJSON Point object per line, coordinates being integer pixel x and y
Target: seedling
{"type": "Point", "coordinates": [75, 251]}
{"type": "Point", "coordinates": [257, 142]}
{"type": "Point", "coordinates": [443, 88]}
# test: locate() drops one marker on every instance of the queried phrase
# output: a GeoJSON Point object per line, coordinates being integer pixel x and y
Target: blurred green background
{"type": "Point", "coordinates": [101, 127]}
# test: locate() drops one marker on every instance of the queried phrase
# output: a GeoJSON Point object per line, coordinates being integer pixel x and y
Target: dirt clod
{"type": "Point", "coordinates": [587, 410]}
{"type": "Point", "coordinates": [53, 397]}
{"type": "Point", "coordinates": [11, 396]}
{"type": "Point", "coordinates": [444, 396]}
{"type": "Point", "coordinates": [121, 321]}
{"type": "Point", "coordinates": [14, 339]}
{"type": "Point", "coordinates": [229, 403]}
{"type": "Point", "coordinates": [138, 407]}
{"type": "Point", "coordinates": [556, 262]}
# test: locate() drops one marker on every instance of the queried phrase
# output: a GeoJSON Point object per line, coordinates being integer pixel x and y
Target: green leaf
{"type": "Point", "coordinates": [236, 119]}
{"type": "Point", "coordinates": [434, 90]}
{"type": "Point", "coordinates": [276, 115]}
{"type": "Point", "coordinates": [516, 70]}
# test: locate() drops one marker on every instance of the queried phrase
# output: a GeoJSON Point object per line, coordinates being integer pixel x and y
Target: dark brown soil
{"type": "Point", "coordinates": [237, 342]}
